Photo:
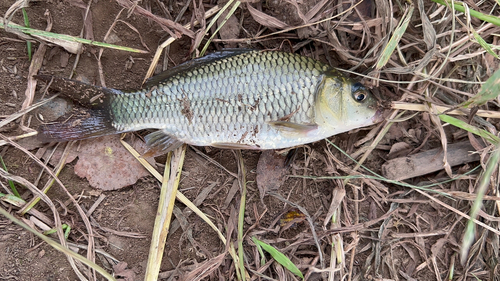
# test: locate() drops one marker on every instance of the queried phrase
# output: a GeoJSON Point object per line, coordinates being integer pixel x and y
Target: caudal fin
{"type": "Point", "coordinates": [91, 117]}
{"type": "Point", "coordinates": [81, 123]}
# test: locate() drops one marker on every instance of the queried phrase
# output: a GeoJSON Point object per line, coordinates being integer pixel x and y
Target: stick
{"type": "Point", "coordinates": [427, 162]}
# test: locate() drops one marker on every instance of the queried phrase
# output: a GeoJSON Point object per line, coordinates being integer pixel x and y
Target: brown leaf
{"type": "Point", "coordinates": [399, 149]}
{"type": "Point", "coordinates": [266, 20]}
{"type": "Point", "coordinates": [314, 10]}
{"type": "Point", "coordinates": [55, 156]}
{"type": "Point", "coordinates": [271, 172]}
{"type": "Point", "coordinates": [205, 268]}
{"type": "Point", "coordinates": [107, 165]}
{"type": "Point", "coordinates": [428, 28]}
{"type": "Point", "coordinates": [436, 247]}
{"type": "Point", "coordinates": [299, 12]}
{"type": "Point", "coordinates": [230, 29]}
{"type": "Point", "coordinates": [338, 195]}
{"type": "Point", "coordinates": [124, 274]}
{"type": "Point", "coordinates": [166, 24]}
{"type": "Point", "coordinates": [307, 32]}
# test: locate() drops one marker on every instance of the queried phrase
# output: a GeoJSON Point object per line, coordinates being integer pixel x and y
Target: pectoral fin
{"type": "Point", "coordinates": [229, 145]}
{"type": "Point", "coordinates": [290, 127]}
{"type": "Point", "coordinates": [160, 143]}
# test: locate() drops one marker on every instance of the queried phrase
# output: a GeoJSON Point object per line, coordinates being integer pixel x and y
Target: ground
{"type": "Point", "coordinates": [384, 230]}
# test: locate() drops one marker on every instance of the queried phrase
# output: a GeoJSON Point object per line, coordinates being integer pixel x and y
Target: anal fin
{"type": "Point", "coordinates": [160, 143]}
{"type": "Point", "coordinates": [230, 145]}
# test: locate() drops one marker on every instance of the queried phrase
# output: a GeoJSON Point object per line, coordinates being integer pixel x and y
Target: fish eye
{"type": "Point", "coordinates": [359, 96]}
{"type": "Point", "coordinates": [359, 92]}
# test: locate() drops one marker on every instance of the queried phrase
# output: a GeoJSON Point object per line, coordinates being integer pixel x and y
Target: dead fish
{"type": "Point", "coordinates": [237, 99]}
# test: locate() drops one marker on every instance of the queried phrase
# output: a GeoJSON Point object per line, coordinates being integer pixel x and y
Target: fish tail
{"type": "Point", "coordinates": [90, 117]}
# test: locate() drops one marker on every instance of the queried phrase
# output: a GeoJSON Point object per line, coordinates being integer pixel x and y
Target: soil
{"type": "Point", "coordinates": [131, 210]}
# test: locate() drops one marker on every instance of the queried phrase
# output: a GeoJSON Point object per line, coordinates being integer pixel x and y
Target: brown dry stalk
{"type": "Point", "coordinates": [166, 24]}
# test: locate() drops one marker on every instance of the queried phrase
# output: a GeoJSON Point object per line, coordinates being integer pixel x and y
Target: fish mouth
{"type": "Point", "coordinates": [379, 116]}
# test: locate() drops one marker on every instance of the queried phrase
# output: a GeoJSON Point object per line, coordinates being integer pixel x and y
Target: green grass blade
{"type": "Point", "coordinates": [396, 37]}
{"type": "Point", "coordinates": [241, 215]}
{"type": "Point", "coordinates": [12, 199]}
{"type": "Point", "coordinates": [11, 183]}
{"type": "Point", "coordinates": [485, 45]}
{"type": "Point", "coordinates": [489, 91]}
{"type": "Point", "coordinates": [463, 125]}
{"type": "Point", "coordinates": [469, 235]}
{"type": "Point", "coordinates": [212, 22]}
{"type": "Point", "coordinates": [261, 253]}
{"type": "Point", "coordinates": [68, 38]}
{"type": "Point", "coordinates": [229, 14]}
{"type": "Point", "coordinates": [279, 257]}
{"type": "Point", "coordinates": [27, 24]}
{"type": "Point", "coordinates": [459, 7]}
{"type": "Point", "coordinates": [64, 226]}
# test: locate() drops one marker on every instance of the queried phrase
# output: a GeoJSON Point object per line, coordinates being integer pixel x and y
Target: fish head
{"type": "Point", "coordinates": [343, 104]}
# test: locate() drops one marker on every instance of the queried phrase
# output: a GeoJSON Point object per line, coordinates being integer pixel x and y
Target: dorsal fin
{"type": "Point", "coordinates": [194, 63]}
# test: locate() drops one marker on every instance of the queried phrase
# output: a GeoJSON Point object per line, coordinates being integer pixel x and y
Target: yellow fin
{"type": "Point", "coordinates": [291, 127]}
{"type": "Point", "coordinates": [230, 145]}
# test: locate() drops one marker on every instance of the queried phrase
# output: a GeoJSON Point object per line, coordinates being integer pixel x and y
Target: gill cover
{"type": "Point", "coordinates": [344, 104]}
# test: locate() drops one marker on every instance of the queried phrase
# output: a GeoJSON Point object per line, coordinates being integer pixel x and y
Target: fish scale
{"type": "Point", "coordinates": [232, 99]}
{"type": "Point", "coordinates": [233, 96]}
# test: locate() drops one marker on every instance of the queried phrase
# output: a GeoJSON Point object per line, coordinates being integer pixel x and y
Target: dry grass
{"type": "Point", "coordinates": [424, 56]}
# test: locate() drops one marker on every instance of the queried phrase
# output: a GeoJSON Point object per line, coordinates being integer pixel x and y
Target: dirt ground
{"type": "Point", "coordinates": [419, 240]}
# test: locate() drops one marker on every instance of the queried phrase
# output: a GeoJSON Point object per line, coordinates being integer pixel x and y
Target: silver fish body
{"type": "Point", "coordinates": [244, 99]}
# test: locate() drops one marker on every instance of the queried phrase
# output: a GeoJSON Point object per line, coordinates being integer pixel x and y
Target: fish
{"type": "Point", "coordinates": [234, 98]}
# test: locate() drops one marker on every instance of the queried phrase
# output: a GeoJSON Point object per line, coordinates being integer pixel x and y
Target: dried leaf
{"type": "Point", "coordinates": [266, 20]}
{"type": "Point", "coordinates": [205, 268]}
{"type": "Point", "coordinates": [338, 195]}
{"type": "Point", "coordinates": [35, 65]}
{"type": "Point", "coordinates": [271, 171]}
{"type": "Point", "coordinates": [299, 12]}
{"type": "Point", "coordinates": [314, 10]}
{"type": "Point", "coordinates": [107, 165]}
{"type": "Point", "coordinates": [123, 274]}
{"type": "Point", "coordinates": [291, 218]}
{"type": "Point", "coordinates": [165, 23]}
{"type": "Point", "coordinates": [428, 28]}
{"type": "Point", "coordinates": [399, 149]}
{"type": "Point", "coordinates": [15, 7]}
{"type": "Point", "coordinates": [230, 29]}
